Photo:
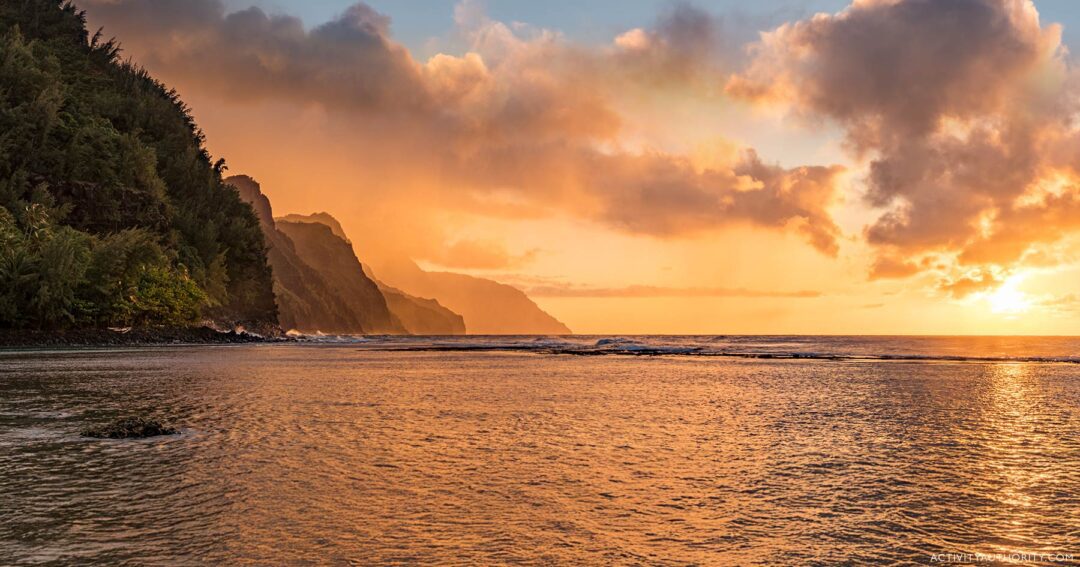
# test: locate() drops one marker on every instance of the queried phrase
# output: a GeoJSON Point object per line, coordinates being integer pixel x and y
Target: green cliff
{"type": "Point", "coordinates": [111, 210]}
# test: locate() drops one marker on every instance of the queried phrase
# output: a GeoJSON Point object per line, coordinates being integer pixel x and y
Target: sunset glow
{"type": "Point", "coordinates": [674, 151]}
{"type": "Point", "coordinates": [1009, 300]}
{"type": "Point", "coordinates": [509, 282]}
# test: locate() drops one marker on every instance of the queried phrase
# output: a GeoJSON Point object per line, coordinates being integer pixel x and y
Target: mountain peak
{"type": "Point", "coordinates": [251, 192]}
{"type": "Point", "coordinates": [323, 218]}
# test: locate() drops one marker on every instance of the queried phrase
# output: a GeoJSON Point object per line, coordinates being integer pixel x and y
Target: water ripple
{"type": "Point", "coordinates": [332, 455]}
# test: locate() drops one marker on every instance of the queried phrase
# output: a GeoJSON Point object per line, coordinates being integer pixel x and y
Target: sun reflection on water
{"type": "Point", "coordinates": [1015, 451]}
{"type": "Point", "coordinates": [461, 458]}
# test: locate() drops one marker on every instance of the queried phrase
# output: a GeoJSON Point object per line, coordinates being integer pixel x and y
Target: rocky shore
{"type": "Point", "coordinates": [11, 338]}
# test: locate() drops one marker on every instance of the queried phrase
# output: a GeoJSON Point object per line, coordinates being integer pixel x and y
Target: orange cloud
{"type": "Point", "coordinates": [480, 255]}
{"type": "Point", "coordinates": [528, 116]}
{"type": "Point", "coordinates": [889, 267]}
{"type": "Point", "coordinates": [658, 291]}
{"type": "Point", "coordinates": [964, 110]}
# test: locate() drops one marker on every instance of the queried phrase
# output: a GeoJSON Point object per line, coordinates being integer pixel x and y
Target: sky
{"type": "Point", "coordinates": [815, 166]}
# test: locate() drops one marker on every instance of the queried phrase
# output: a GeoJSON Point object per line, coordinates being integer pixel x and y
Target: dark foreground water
{"type": "Point", "coordinates": [483, 452]}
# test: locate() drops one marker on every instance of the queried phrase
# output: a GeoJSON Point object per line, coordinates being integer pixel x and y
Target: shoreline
{"type": "Point", "coordinates": [149, 336]}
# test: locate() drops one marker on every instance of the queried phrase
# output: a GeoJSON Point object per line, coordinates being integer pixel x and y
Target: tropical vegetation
{"type": "Point", "coordinates": [112, 212]}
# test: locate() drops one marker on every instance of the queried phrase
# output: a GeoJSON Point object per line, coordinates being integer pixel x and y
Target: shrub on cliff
{"type": "Point", "coordinates": [111, 209]}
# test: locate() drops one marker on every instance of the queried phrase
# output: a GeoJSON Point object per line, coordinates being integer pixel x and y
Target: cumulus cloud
{"type": "Point", "coordinates": [349, 62]}
{"type": "Point", "coordinates": [970, 283]}
{"type": "Point", "coordinates": [522, 112]}
{"type": "Point", "coordinates": [890, 267]}
{"type": "Point", "coordinates": [1067, 304]}
{"type": "Point", "coordinates": [685, 46]}
{"type": "Point", "coordinates": [964, 111]}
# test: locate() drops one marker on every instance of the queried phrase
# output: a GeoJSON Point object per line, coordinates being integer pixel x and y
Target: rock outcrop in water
{"type": "Point", "coordinates": [130, 428]}
{"type": "Point", "coordinates": [318, 281]}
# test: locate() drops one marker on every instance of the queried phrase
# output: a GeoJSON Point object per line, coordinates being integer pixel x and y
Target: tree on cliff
{"type": "Point", "coordinates": [111, 210]}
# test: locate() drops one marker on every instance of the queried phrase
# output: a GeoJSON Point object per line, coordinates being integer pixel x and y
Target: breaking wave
{"type": "Point", "coordinates": [829, 348]}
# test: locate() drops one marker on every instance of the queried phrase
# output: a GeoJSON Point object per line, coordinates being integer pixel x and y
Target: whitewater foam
{"type": "Point", "coordinates": [899, 349]}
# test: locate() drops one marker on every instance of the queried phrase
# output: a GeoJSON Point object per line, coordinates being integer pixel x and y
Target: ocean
{"type": "Point", "coordinates": [547, 450]}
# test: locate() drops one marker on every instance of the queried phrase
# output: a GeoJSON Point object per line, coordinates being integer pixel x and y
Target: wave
{"type": "Point", "coordinates": [882, 349]}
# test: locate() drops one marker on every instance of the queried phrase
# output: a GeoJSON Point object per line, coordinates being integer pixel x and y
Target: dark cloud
{"type": "Point", "coordinates": [685, 46]}
{"type": "Point", "coordinates": [964, 109]}
{"type": "Point", "coordinates": [532, 116]}
{"type": "Point", "coordinates": [349, 62]}
{"type": "Point", "coordinates": [891, 69]}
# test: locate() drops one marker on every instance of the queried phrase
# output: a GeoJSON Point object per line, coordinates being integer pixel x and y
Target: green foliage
{"type": "Point", "coordinates": [162, 295]}
{"type": "Point", "coordinates": [130, 281]}
{"type": "Point", "coordinates": [40, 267]}
{"type": "Point", "coordinates": [57, 276]}
{"type": "Point", "coordinates": [111, 211]}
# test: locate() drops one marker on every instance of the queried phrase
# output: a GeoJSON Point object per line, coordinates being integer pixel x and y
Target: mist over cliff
{"type": "Point", "coordinates": [319, 283]}
{"type": "Point", "coordinates": [422, 316]}
{"type": "Point", "coordinates": [333, 258]}
{"type": "Point", "coordinates": [487, 307]}
{"type": "Point", "coordinates": [112, 213]}
{"type": "Point", "coordinates": [416, 315]}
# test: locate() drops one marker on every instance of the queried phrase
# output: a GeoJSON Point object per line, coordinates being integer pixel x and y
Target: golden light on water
{"type": "Point", "coordinates": [383, 449]}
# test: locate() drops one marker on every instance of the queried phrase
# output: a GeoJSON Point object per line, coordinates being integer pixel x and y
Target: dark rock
{"type": "Point", "coordinates": [130, 428]}
{"type": "Point", "coordinates": [149, 336]}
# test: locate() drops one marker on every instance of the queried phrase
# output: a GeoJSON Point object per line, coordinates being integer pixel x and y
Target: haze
{"type": "Point", "coordinates": [657, 167]}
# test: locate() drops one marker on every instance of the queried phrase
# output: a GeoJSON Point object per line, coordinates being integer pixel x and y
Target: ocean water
{"type": "Point", "coordinates": [547, 450]}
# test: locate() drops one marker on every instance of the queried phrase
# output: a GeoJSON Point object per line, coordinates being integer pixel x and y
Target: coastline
{"type": "Point", "coordinates": [147, 336]}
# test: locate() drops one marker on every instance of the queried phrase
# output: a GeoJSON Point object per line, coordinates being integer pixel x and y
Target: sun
{"type": "Point", "coordinates": [1008, 300]}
